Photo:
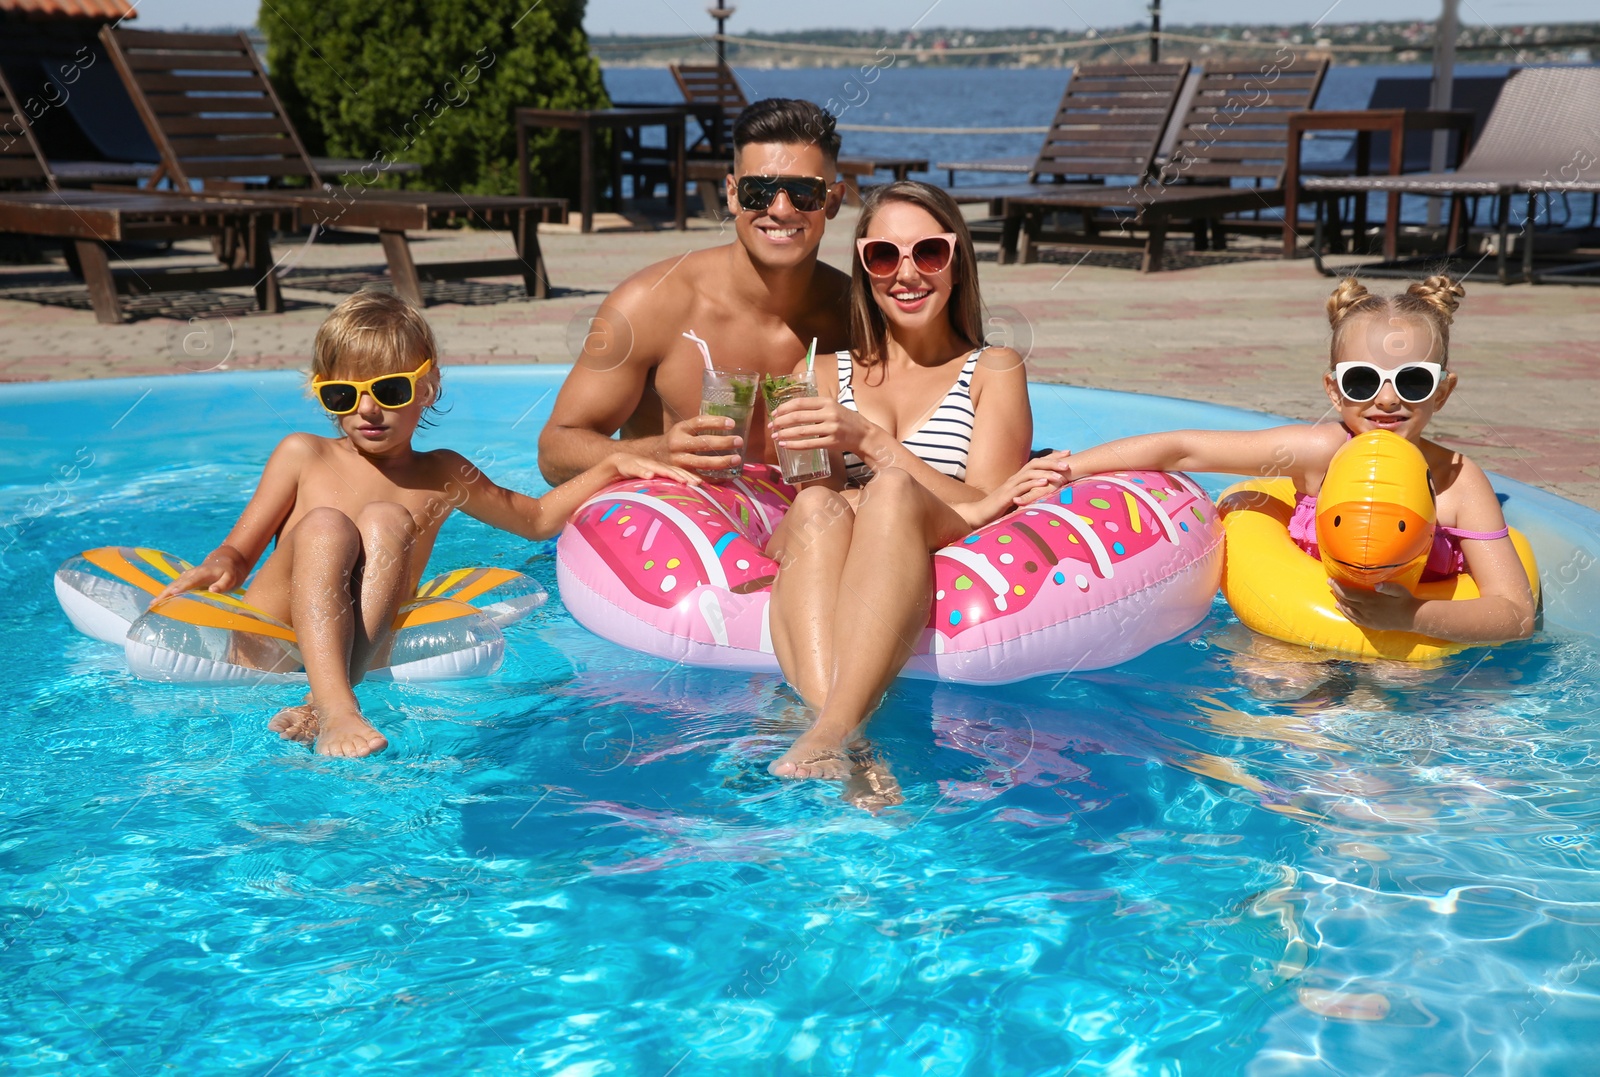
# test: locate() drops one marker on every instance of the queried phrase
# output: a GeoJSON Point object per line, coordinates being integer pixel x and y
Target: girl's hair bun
{"type": "Point", "coordinates": [1433, 300]}
{"type": "Point", "coordinates": [1441, 293]}
{"type": "Point", "coordinates": [1345, 298]}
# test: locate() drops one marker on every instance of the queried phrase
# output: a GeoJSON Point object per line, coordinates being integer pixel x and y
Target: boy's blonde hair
{"type": "Point", "coordinates": [1434, 300]}
{"type": "Point", "coordinates": [370, 334]}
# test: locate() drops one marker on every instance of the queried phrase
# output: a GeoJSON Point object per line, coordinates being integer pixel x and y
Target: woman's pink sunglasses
{"type": "Point", "coordinates": [930, 254]}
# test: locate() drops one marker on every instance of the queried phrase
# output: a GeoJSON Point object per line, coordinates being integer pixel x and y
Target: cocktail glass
{"type": "Point", "coordinates": [797, 465]}
{"type": "Point", "coordinates": [731, 395]}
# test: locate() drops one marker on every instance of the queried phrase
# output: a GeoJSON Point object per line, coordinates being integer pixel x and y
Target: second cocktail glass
{"type": "Point", "coordinates": [797, 465]}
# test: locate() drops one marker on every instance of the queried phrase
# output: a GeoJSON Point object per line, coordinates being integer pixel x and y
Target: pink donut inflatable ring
{"type": "Point", "coordinates": [1099, 573]}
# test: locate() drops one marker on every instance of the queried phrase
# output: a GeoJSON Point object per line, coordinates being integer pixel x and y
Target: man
{"type": "Point", "coordinates": [756, 302]}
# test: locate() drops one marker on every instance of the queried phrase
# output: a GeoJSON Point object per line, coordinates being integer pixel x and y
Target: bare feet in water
{"type": "Point", "coordinates": [872, 786]}
{"type": "Point", "coordinates": [814, 756]}
{"type": "Point", "coordinates": [346, 734]}
{"type": "Point", "coordinates": [296, 723]}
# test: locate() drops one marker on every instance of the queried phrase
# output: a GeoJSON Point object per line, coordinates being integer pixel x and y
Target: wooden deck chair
{"type": "Point", "coordinates": [220, 128]}
{"type": "Point", "coordinates": [1236, 128]}
{"type": "Point", "coordinates": [712, 84]}
{"type": "Point", "coordinates": [1543, 131]}
{"type": "Point", "coordinates": [85, 221]}
{"type": "Point", "coordinates": [1110, 122]}
{"type": "Point", "coordinates": [712, 158]}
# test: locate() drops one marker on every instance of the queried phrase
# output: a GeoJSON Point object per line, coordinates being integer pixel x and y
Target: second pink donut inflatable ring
{"type": "Point", "coordinates": [1101, 572]}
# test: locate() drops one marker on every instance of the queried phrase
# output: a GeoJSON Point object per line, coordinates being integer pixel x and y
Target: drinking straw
{"type": "Point", "coordinates": [705, 349]}
{"type": "Point", "coordinates": [811, 354]}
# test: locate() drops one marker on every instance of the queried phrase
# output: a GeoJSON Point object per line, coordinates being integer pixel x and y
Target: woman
{"type": "Point", "coordinates": [919, 417]}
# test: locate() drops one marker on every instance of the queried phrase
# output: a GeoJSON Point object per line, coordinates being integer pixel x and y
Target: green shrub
{"type": "Point", "coordinates": [435, 82]}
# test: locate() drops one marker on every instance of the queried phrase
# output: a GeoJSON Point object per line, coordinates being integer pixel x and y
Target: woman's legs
{"type": "Point", "coordinates": [883, 594]}
{"type": "Point", "coordinates": [810, 547]}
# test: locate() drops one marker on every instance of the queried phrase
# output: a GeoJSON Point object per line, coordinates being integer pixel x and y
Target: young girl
{"type": "Point", "coordinates": [1388, 371]}
{"type": "Point", "coordinates": [918, 417]}
{"type": "Point", "coordinates": [354, 517]}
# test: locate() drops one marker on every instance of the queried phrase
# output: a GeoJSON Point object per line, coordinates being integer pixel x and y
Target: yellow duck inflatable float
{"type": "Point", "coordinates": [1375, 524]}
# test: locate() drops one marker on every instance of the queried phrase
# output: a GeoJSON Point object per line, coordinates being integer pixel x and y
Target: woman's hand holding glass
{"type": "Point", "coordinates": [815, 422]}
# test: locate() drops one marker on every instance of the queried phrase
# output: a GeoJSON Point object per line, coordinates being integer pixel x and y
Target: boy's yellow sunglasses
{"type": "Point", "coordinates": [391, 391]}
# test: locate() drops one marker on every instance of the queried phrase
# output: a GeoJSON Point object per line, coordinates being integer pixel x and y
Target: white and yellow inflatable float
{"type": "Point", "coordinates": [1375, 524]}
{"type": "Point", "coordinates": [450, 630]}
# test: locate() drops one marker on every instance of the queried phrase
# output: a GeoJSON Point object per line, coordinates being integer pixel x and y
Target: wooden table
{"type": "Point", "coordinates": [587, 121]}
{"type": "Point", "coordinates": [853, 169]}
{"type": "Point", "coordinates": [1365, 123]}
{"type": "Point", "coordinates": [87, 220]}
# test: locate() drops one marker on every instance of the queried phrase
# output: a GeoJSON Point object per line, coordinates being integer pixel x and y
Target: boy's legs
{"type": "Point", "coordinates": [385, 580]}
{"type": "Point", "coordinates": [341, 602]}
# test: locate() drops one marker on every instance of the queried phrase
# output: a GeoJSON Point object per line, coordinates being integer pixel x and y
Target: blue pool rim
{"type": "Point", "coordinates": [43, 423]}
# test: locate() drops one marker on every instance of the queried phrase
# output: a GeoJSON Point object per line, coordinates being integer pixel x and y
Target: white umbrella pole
{"type": "Point", "coordinates": [1444, 66]}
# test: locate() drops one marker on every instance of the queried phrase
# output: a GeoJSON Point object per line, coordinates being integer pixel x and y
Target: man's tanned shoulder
{"type": "Point", "coordinates": [672, 279]}
{"type": "Point", "coordinates": [675, 285]}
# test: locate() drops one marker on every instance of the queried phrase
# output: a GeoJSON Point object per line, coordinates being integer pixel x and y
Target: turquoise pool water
{"type": "Point", "coordinates": [1208, 861]}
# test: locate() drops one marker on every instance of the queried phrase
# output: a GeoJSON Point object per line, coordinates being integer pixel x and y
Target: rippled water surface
{"type": "Point", "coordinates": [1216, 859]}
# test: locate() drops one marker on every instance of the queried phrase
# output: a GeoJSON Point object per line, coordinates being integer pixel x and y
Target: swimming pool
{"type": "Point", "coordinates": [1206, 861]}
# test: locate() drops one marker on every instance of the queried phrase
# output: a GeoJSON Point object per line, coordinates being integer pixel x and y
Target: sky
{"type": "Point", "coordinates": [680, 17]}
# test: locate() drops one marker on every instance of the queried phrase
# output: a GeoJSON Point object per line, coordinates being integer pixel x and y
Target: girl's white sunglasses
{"type": "Point", "coordinates": [1413, 382]}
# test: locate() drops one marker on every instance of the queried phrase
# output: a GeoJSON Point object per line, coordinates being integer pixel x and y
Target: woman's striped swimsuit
{"type": "Point", "coordinates": [942, 442]}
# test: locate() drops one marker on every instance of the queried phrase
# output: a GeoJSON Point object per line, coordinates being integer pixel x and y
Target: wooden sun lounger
{"type": "Point", "coordinates": [1109, 123]}
{"type": "Point", "coordinates": [218, 124]}
{"type": "Point", "coordinates": [1235, 128]}
{"type": "Point", "coordinates": [1543, 133]}
{"type": "Point", "coordinates": [85, 221]}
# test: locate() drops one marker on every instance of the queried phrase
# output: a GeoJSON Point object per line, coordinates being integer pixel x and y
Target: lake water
{"type": "Point", "coordinates": [963, 97]}
{"type": "Point", "coordinates": [987, 98]}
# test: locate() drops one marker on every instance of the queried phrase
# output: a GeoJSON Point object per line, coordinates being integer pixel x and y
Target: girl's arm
{"type": "Point", "coordinates": [1036, 479]}
{"type": "Point", "coordinates": [482, 498]}
{"type": "Point", "coordinates": [1294, 451]}
{"type": "Point", "coordinates": [227, 566]}
{"type": "Point", "coordinates": [1505, 608]}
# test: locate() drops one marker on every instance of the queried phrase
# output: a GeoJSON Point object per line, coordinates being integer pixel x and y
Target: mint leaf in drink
{"type": "Point", "coordinates": [776, 389]}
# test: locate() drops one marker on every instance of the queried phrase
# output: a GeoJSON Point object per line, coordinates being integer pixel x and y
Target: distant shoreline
{"type": "Point", "coordinates": [1351, 44]}
{"type": "Point", "coordinates": [1347, 43]}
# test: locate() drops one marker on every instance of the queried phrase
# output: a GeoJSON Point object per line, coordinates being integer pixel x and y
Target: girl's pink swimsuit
{"type": "Point", "coordinates": [1444, 560]}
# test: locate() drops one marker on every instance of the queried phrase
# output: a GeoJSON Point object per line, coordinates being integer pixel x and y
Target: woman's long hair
{"type": "Point", "coordinates": [868, 331]}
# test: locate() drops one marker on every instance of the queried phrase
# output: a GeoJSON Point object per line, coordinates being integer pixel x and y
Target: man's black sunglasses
{"type": "Point", "coordinates": [757, 193]}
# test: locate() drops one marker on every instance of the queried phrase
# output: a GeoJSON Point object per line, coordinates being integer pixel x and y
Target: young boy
{"type": "Point", "coordinates": [355, 516]}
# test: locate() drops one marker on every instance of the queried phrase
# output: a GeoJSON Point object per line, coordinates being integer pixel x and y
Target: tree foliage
{"type": "Point", "coordinates": [435, 82]}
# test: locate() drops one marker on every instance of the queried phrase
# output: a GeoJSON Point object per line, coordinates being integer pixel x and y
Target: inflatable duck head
{"type": "Point", "coordinates": [1375, 514]}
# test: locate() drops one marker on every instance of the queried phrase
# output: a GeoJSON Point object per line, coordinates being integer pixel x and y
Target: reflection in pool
{"type": "Point", "coordinates": [1219, 858]}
